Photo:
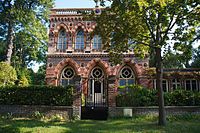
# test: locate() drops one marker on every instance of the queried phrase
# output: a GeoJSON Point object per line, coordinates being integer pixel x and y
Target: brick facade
{"type": "Point", "coordinates": [83, 57]}
{"type": "Point", "coordinates": [83, 61]}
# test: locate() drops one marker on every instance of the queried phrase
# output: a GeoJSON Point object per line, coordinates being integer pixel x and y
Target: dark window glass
{"type": "Point", "coordinates": [97, 87]}
{"type": "Point", "coordinates": [174, 86]}
{"type": "Point", "coordinates": [188, 86]}
{"type": "Point", "coordinates": [164, 85]}
{"type": "Point", "coordinates": [194, 85]}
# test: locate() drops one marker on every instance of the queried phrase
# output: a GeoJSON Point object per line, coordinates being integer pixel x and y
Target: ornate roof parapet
{"type": "Point", "coordinates": [72, 11]}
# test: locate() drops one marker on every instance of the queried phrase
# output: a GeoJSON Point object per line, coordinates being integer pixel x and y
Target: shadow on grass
{"type": "Point", "coordinates": [81, 126]}
{"type": "Point", "coordinates": [119, 125]}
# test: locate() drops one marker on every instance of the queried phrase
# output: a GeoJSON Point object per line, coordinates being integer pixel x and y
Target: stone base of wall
{"type": "Point", "coordinates": [29, 110]}
{"type": "Point", "coordinates": [67, 111]}
{"type": "Point", "coordinates": [129, 111]}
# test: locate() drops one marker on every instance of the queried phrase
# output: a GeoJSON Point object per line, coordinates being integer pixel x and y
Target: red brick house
{"type": "Point", "coordinates": [75, 58]}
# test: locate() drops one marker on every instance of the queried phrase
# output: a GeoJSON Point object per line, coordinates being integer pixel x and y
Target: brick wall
{"type": "Point", "coordinates": [121, 111]}
{"type": "Point", "coordinates": [27, 110]}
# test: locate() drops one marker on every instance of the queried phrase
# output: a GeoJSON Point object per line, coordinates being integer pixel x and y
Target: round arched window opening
{"type": "Point", "coordinates": [68, 73]}
{"type": "Point", "coordinates": [67, 76]}
{"type": "Point", "coordinates": [127, 76]}
{"type": "Point", "coordinates": [97, 73]}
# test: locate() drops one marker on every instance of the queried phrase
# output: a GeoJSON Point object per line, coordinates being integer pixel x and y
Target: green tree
{"type": "Point", "coordinates": [153, 25]}
{"type": "Point", "coordinates": [38, 78]}
{"type": "Point", "coordinates": [8, 74]}
{"type": "Point", "coordinates": [196, 58]}
{"type": "Point", "coordinates": [27, 16]}
{"type": "Point", "coordinates": [27, 49]}
{"type": "Point", "coordinates": [172, 59]}
{"type": "Point", "coordinates": [24, 76]}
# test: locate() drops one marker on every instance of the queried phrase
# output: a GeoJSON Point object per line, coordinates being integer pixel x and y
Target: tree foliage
{"type": "Point", "coordinates": [151, 25]}
{"type": "Point", "coordinates": [196, 58]}
{"type": "Point", "coordinates": [24, 26]}
{"type": "Point", "coordinates": [8, 74]}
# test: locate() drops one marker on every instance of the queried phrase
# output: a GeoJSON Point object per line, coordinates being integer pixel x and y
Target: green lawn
{"type": "Point", "coordinates": [146, 124]}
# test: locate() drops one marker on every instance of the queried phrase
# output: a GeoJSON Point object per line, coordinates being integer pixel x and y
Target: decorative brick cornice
{"type": "Point", "coordinates": [85, 55]}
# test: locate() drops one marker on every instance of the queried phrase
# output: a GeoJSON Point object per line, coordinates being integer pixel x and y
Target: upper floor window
{"type": "Point", "coordinates": [126, 76]}
{"type": "Point", "coordinates": [62, 40]}
{"type": "Point", "coordinates": [97, 42]}
{"type": "Point", "coordinates": [80, 40]}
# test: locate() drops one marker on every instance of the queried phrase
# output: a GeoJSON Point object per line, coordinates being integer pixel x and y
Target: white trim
{"type": "Point", "coordinates": [167, 85]}
{"type": "Point", "coordinates": [175, 83]}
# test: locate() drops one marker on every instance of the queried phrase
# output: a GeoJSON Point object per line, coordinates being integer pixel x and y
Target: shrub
{"type": "Point", "coordinates": [180, 97]}
{"type": "Point", "coordinates": [138, 96]}
{"type": "Point", "coordinates": [36, 95]}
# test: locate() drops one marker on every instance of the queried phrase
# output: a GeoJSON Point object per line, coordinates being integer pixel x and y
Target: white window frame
{"type": "Point", "coordinates": [175, 83]}
{"type": "Point", "coordinates": [65, 78]}
{"type": "Point", "coordinates": [127, 79]}
{"type": "Point", "coordinates": [167, 85]}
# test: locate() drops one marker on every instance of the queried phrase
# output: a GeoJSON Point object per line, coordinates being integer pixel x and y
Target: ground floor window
{"type": "Point", "coordinates": [191, 84]}
{"type": "Point", "coordinates": [165, 85]}
{"type": "Point", "coordinates": [126, 76]}
{"type": "Point", "coordinates": [176, 84]}
{"type": "Point", "coordinates": [67, 76]}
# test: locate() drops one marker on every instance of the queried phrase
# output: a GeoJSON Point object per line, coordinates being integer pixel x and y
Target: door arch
{"type": "Point", "coordinates": [97, 89]}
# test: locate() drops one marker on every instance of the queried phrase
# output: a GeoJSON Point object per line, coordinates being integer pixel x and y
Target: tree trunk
{"type": "Point", "coordinates": [159, 73]}
{"type": "Point", "coordinates": [10, 38]}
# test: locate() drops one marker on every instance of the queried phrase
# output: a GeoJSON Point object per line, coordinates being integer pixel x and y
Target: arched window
{"type": "Point", "coordinates": [79, 40]}
{"type": "Point", "coordinates": [126, 76]}
{"type": "Point", "coordinates": [97, 42]}
{"type": "Point", "coordinates": [62, 40]}
{"type": "Point", "coordinates": [67, 76]}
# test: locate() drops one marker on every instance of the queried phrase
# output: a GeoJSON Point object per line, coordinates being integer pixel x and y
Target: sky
{"type": "Point", "coordinates": [74, 3]}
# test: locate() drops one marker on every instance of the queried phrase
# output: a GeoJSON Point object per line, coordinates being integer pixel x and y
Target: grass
{"type": "Point", "coordinates": [139, 124]}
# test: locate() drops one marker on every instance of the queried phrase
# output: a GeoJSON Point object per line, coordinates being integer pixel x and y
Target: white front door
{"type": "Point", "coordinates": [97, 89]}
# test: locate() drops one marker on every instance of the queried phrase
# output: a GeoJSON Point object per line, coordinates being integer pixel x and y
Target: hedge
{"type": "Point", "coordinates": [134, 96]}
{"type": "Point", "coordinates": [36, 95]}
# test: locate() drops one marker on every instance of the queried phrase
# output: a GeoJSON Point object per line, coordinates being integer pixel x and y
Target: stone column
{"type": "Point", "coordinates": [111, 95]}
{"type": "Point", "coordinates": [111, 91]}
{"type": "Point", "coordinates": [87, 36]}
{"type": "Point", "coordinates": [77, 98]}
